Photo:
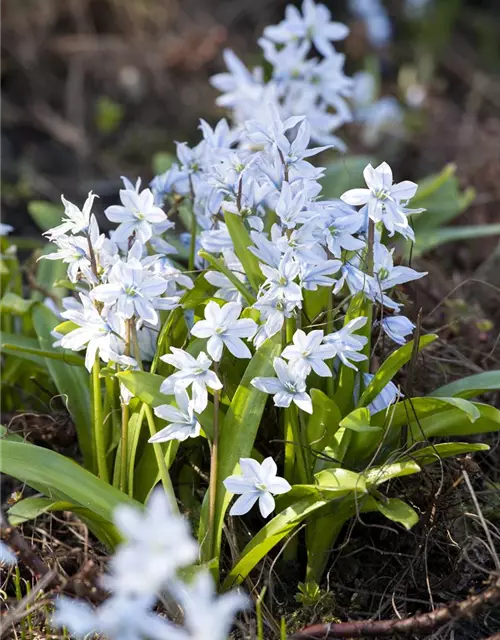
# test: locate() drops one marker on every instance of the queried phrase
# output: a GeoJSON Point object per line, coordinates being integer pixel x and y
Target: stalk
{"type": "Point", "coordinates": [125, 418]}
{"type": "Point", "coordinates": [212, 488]}
{"type": "Point", "coordinates": [329, 329]}
{"type": "Point", "coordinates": [160, 460]}
{"type": "Point", "coordinates": [192, 248]}
{"type": "Point", "coordinates": [100, 443]}
{"type": "Point", "coordinates": [365, 365]}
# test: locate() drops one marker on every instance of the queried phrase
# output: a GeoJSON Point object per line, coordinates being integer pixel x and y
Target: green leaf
{"type": "Point", "coordinates": [324, 421]}
{"type": "Point", "coordinates": [68, 357]}
{"type": "Point", "coordinates": [385, 472]}
{"type": "Point", "coordinates": [434, 453]}
{"type": "Point", "coordinates": [33, 507]}
{"type": "Point", "coordinates": [344, 174]}
{"type": "Point", "coordinates": [440, 195]}
{"type": "Point", "coordinates": [45, 214]}
{"type": "Point", "coordinates": [48, 272]}
{"type": "Point", "coordinates": [390, 367]}
{"type": "Point", "coordinates": [22, 346]}
{"type": "Point", "coordinates": [280, 526]}
{"type": "Point", "coordinates": [66, 327]}
{"type": "Point", "coordinates": [455, 423]}
{"type": "Point", "coordinates": [71, 382]}
{"type": "Point", "coordinates": [241, 241]}
{"type": "Point", "coordinates": [162, 161]}
{"type": "Point", "coordinates": [340, 480]}
{"type": "Point", "coordinates": [108, 114]}
{"type": "Point", "coordinates": [359, 421]}
{"type": "Point", "coordinates": [12, 303]}
{"type": "Point", "coordinates": [237, 436]}
{"type": "Point", "coordinates": [431, 239]}
{"type": "Point", "coordinates": [65, 479]}
{"type": "Point", "coordinates": [470, 386]}
{"type": "Point", "coordinates": [398, 511]}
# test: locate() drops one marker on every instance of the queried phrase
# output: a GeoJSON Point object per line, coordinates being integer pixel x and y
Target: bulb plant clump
{"type": "Point", "coordinates": [238, 358]}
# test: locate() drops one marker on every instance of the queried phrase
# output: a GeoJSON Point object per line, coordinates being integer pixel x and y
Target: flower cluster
{"type": "Point", "coordinates": [256, 174]}
{"type": "Point", "coordinates": [157, 545]}
{"type": "Point", "coordinates": [300, 82]}
{"type": "Point", "coordinates": [123, 281]}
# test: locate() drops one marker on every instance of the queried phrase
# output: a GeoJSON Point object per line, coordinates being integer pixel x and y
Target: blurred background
{"type": "Point", "coordinates": [96, 89]}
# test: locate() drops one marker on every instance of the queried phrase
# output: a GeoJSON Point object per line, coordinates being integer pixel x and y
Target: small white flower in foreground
{"type": "Point", "coordinates": [7, 557]}
{"type": "Point", "coordinates": [192, 371]}
{"type": "Point", "coordinates": [308, 352]}
{"type": "Point", "coordinates": [136, 215]}
{"type": "Point", "coordinates": [207, 616]}
{"type": "Point", "coordinates": [288, 387]}
{"type": "Point", "coordinates": [157, 543]}
{"type": "Point", "coordinates": [347, 345]}
{"type": "Point", "coordinates": [76, 221]}
{"type": "Point", "coordinates": [183, 423]}
{"type": "Point", "coordinates": [5, 229]}
{"type": "Point", "coordinates": [383, 199]}
{"type": "Point", "coordinates": [222, 328]}
{"type": "Point", "coordinates": [397, 328]}
{"type": "Point", "coordinates": [258, 482]}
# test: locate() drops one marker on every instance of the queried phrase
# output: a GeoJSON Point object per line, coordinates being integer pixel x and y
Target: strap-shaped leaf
{"type": "Point", "coordinates": [241, 241]}
{"type": "Point", "coordinates": [390, 367]}
{"type": "Point", "coordinates": [398, 511]}
{"type": "Point", "coordinates": [71, 382]}
{"type": "Point", "coordinates": [63, 478]}
{"type": "Point", "coordinates": [471, 385]}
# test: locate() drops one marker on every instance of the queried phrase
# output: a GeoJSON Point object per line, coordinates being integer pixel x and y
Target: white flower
{"type": "Point", "coordinates": [96, 332]}
{"type": "Point", "coordinates": [280, 282]}
{"type": "Point", "coordinates": [258, 482]}
{"type": "Point", "coordinates": [397, 328]}
{"type": "Point", "coordinates": [207, 615]}
{"type": "Point", "coordinates": [383, 199]}
{"type": "Point", "coordinates": [314, 276]}
{"type": "Point", "coordinates": [192, 371]}
{"type": "Point", "coordinates": [288, 387]}
{"type": "Point", "coordinates": [5, 229]}
{"type": "Point", "coordinates": [222, 327]}
{"type": "Point", "coordinates": [136, 215]}
{"type": "Point", "coordinates": [308, 352]}
{"type": "Point", "coordinates": [158, 543]}
{"type": "Point", "coordinates": [315, 25]}
{"type": "Point", "coordinates": [184, 424]}
{"type": "Point", "coordinates": [132, 289]}
{"type": "Point", "coordinates": [346, 345]}
{"type": "Point", "coordinates": [7, 557]}
{"type": "Point", "coordinates": [76, 221]}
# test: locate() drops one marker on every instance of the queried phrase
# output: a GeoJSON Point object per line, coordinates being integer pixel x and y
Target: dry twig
{"type": "Point", "coordinates": [418, 624]}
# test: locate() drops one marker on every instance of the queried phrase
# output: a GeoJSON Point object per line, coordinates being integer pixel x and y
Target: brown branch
{"type": "Point", "coordinates": [418, 624]}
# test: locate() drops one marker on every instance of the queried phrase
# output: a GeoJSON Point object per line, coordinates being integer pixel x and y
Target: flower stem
{"type": "Point", "coordinates": [365, 365]}
{"type": "Point", "coordinates": [329, 329]}
{"type": "Point", "coordinates": [125, 417]}
{"type": "Point", "coordinates": [192, 248]}
{"type": "Point", "coordinates": [98, 424]}
{"type": "Point", "coordinates": [212, 488]}
{"type": "Point", "coordinates": [160, 460]}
